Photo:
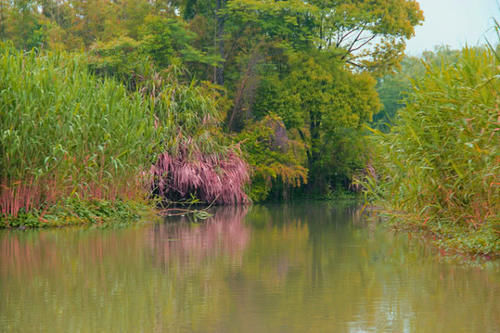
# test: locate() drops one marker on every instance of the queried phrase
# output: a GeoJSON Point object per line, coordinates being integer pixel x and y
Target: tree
{"type": "Point", "coordinates": [308, 63]}
{"type": "Point", "coordinates": [371, 34]}
{"type": "Point", "coordinates": [393, 88]}
{"type": "Point", "coordinates": [219, 40]}
{"type": "Point", "coordinates": [320, 99]}
{"type": "Point", "coordinates": [167, 41]}
{"type": "Point", "coordinates": [367, 34]}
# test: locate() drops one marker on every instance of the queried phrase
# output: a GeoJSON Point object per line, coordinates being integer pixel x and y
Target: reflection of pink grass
{"type": "Point", "coordinates": [223, 234]}
{"type": "Point", "coordinates": [211, 178]}
{"type": "Point", "coordinates": [23, 259]}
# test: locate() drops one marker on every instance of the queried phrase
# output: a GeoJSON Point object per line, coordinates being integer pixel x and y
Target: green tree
{"type": "Point", "coordinates": [304, 62]}
{"type": "Point", "coordinates": [393, 88]}
{"type": "Point", "coordinates": [371, 34]}
{"type": "Point", "coordinates": [325, 98]}
{"type": "Point", "coordinates": [23, 24]}
{"type": "Point", "coordinates": [167, 41]}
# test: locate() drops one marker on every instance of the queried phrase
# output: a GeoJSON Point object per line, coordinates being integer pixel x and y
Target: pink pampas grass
{"type": "Point", "coordinates": [209, 177]}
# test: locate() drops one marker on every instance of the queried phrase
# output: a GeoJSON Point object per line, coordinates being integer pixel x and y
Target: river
{"type": "Point", "coordinates": [311, 267]}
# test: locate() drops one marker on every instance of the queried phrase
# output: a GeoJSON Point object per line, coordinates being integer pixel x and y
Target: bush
{"type": "Point", "coordinates": [197, 160]}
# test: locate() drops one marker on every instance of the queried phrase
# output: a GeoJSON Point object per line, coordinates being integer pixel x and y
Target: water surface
{"type": "Point", "coordinates": [281, 268]}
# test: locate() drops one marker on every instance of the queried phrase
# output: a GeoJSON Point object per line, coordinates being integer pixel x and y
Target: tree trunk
{"type": "Point", "coordinates": [2, 19]}
{"type": "Point", "coordinates": [314, 181]}
{"type": "Point", "coordinates": [219, 40]}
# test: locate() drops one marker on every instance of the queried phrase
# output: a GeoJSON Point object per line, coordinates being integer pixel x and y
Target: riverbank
{"type": "Point", "coordinates": [437, 169]}
{"type": "Point", "coordinates": [451, 240]}
{"type": "Point", "coordinates": [73, 212]}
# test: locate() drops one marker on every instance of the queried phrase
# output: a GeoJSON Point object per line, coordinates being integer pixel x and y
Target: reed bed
{"type": "Point", "coordinates": [64, 133]}
{"type": "Point", "coordinates": [439, 167]}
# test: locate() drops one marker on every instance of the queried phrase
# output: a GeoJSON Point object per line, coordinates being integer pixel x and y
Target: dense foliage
{"type": "Point", "coordinates": [196, 160]}
{"type": "Point", "coordinates": [64, 133]}
{"type": "Point", "coordinates": [307, 64]}
{"type": "Point", "coordinates": [192, 99]}
{"type": "Point", "coordinates": [393, 88]}
{"type": "Point", "coordinates": [438, 168]}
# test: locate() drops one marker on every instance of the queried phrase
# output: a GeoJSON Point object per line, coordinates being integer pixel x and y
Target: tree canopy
{"type": "Point", "coordinates": [309, 65]}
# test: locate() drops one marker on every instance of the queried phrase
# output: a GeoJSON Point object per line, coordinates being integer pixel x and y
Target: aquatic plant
{"type": "Point", "coordinates": [76, 211]}
{"type": "Point", "coordinates": [438, 169]}
{"type": "Point", "coordinates": [63, 133]}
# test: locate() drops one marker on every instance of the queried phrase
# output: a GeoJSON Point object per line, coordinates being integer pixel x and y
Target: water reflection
{"type": "Point", "coordinates": [291, 268]}
{"type": "Point", "coordinates": [184, 242]}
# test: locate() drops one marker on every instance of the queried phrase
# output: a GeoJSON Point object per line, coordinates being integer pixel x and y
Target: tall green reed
{"type": "Point", "coordinates": [440, 163]}
{"type": "Point", "coordinates": [65, 133]}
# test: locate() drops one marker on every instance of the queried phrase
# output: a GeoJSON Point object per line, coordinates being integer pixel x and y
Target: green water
{"type": "Point", "coordinates": [301, 268]}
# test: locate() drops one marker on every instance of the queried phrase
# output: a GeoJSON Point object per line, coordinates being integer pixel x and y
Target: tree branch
{"type": "Point", "coordinates": [354, 42]}
{"type": "Point", "coordinates": [350, 62]}
{"type": "Point", "coordinates": [341, 39]}
{"type": "Point", "coordinates": [363, 44]}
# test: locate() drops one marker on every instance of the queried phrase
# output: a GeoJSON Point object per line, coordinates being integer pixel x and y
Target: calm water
{"type": "Point", "coordinates": [308, 268]}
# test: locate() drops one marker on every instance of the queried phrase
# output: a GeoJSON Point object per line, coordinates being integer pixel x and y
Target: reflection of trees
{"type": "Point", "coordinates": [108, 280]}
{"type": "Point", "coordinates": [299, 268]}
{"type": "Point", "coordinates": [182, 242]}
{"type": "Point", "coordinates": [321, 268]}
{"type": "Point", "coordinates": [31, 253]}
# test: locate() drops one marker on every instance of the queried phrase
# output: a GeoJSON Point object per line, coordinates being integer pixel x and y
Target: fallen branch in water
{"type": "Point", "coordinates": [196, 213]}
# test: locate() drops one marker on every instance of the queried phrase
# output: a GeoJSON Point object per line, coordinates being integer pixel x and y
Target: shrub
{"type": "Point", "coordinates": [197, 160]}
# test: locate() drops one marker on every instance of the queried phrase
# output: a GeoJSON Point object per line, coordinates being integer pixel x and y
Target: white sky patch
{"type": "Point", "coordinates": [454, 23]}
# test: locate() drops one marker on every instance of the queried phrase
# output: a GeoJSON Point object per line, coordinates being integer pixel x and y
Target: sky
{"type": "Point", "coordinates": [454, 23]}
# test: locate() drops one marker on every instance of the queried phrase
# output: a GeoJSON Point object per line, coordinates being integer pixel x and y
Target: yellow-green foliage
{"type": "Point", "coordinates": [65, 133]}
{"type": "Point", "coordinates": [187, 115]}
{"type": "Point", "coordinates": [440, 164]}
{"type": "Point", "coordinates": [270, 162]}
